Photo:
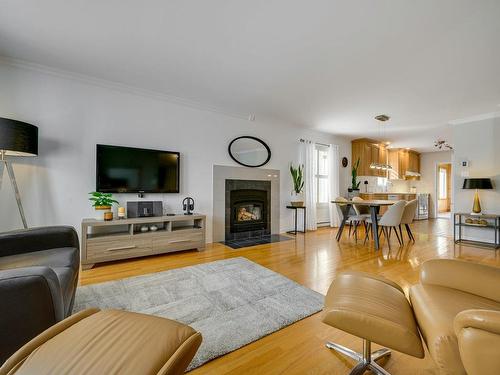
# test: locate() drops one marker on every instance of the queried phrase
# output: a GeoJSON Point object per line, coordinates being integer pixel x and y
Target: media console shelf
{"type": "Point", "coordinates": [104, 241]}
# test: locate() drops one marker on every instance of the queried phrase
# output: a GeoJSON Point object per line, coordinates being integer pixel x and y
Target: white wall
{"type": "Point", "coordinates": [73, 115]}
{"type": "Point", "coordinates": [478, 143]}
{"type": "Point", "coordinates": [428, 180]}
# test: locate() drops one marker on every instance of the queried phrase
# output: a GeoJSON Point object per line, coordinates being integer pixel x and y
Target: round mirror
{"type": "Point", "coordinates": [249, 151]}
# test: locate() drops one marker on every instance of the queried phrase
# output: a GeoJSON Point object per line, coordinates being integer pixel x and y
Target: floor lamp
{"type": "Point", "coordinates": [16, 139]}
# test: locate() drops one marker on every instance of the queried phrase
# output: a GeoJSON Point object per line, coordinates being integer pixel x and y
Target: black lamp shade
{"type": "Point", "coordinates": [477, 183]}
{"type": "Point", "coordinates": [18, 138]}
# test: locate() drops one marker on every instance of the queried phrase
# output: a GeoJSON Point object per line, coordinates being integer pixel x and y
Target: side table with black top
{"type": "Point", "coordinates": [492, 223]}
{"type": "Point", "coordinates": [296, 208]}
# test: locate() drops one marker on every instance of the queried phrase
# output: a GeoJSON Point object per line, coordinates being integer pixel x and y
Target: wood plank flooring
{"type": "Point", "coordinates": [313, 260]}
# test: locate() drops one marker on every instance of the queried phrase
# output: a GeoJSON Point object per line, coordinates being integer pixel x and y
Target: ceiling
{"type": "Point", "coordinates": [330, 65]}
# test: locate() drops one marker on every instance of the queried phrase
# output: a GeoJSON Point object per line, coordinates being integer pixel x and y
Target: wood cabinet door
{"type": "Point", "coordinates": [404, 161]}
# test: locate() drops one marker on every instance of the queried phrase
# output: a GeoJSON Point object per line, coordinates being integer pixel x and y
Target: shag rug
{"type": "Point", "coordinates": [232, 302]}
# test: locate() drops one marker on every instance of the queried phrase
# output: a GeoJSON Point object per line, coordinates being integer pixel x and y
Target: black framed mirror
{"type": "Point", "coordinates": [249, 151]}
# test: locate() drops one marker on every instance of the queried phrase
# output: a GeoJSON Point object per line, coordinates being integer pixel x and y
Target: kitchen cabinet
{"type": "Point", "coordinates": [403, 162]}
{"type": "Point", "coordinates": [369, 151]}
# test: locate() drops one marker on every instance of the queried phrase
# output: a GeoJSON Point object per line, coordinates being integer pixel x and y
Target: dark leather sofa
{"type": "Point", "coordinates": [38, 277]}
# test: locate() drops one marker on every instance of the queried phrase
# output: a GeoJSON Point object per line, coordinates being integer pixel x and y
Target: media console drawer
{"type": "Point", "coordinates": [104, 249]}
{"type": "Point", "coordinates": [178, 241]}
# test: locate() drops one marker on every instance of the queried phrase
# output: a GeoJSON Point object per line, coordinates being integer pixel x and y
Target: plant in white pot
{"type": "Point", "coordinates": [102, 202]}
{"type": "Point", "coordinates": [297, 173]}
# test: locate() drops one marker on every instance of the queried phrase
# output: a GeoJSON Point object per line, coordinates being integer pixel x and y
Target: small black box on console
{"type": "Point", "coordinates": [144, 209]}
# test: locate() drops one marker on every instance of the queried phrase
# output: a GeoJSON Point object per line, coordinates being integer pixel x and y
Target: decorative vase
{"type": "Point", "coordinates": [352, 193]}
{"type": "Point", "coordinates": [100, 210]}
{"type": "Point", "coordinates": [297, 199]}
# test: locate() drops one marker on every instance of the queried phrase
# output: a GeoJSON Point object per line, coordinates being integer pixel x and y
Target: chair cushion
{"type": "Point", "coordinates": [113, 342]}
{"type": "Point", "coordinates": [435, 308]}
{"type": "Point", "coordinates": [375, 309]}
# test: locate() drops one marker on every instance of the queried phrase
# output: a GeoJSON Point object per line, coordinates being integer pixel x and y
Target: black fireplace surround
{"type": "Point", "coordinates": [248, 212]}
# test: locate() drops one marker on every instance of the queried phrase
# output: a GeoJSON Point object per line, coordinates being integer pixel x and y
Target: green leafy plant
{"type": "Point", "coordinates": [354, 173]}
{"type": "Point", "coordinates": [101, 199]}
{"type": "Point", "coordinates": [297, 178]}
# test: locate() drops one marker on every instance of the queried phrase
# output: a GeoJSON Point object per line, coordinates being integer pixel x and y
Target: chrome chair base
{"type": "Point", "coordinates": [366, 361]}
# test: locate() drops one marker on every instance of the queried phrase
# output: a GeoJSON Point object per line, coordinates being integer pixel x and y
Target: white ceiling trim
{"type": "Point", "coordinates": [112, 85]}
{"type": "Point", "coordinates": [481, 117]}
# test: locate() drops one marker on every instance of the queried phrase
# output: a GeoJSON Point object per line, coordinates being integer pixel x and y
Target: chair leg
{"type": "Point", "coordinates": [387, 237]}
{"type": "Point", "coordinates": [350, 226]}
{"type": "Point", "coordinates": [367, 233]}
{"type": "Point", "coordinates": [401, 235]}
{"type": "Point", "coordinates": [397, 235]}
{"type": "Point", "coordinates": [365, 360]}
{"type": "Point", "coordinates": [410, 234]}
{"type": "Point", "coordinates": [356, 223]}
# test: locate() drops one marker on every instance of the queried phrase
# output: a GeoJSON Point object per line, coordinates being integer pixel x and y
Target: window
{"type": "Point", "coordinates": [443, 185]}
{"type": "Point", "coordinates": [321, 168]}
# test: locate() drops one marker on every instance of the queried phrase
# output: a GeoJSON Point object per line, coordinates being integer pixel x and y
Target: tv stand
{"type": "Point", "coordinates": [104, 241]}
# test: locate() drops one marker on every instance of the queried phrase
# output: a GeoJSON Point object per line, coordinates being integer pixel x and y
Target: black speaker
{"type": "Point", "coordinates": [144, 209]}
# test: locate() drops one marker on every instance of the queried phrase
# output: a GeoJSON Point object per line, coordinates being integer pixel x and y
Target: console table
{"type": "Point", "coordinates": [493, 224]}
{"type": "Point", "coordinates": [104, 241]}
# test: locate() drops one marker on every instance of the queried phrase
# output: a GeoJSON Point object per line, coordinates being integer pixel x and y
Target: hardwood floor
{"type": "Point", "coordinates": [313, 260]}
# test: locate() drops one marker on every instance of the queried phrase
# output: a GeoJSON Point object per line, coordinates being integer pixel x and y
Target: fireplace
{"type": "Point", "coordinates": [247, 209]}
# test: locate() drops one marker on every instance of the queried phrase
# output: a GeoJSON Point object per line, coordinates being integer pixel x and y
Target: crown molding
{"type": "Point", "coordinates": [117, 86]}
{"type": "Point", "coordinates": [484, 116]}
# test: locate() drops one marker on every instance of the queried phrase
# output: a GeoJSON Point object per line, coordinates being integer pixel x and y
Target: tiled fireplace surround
{"type": "Point", "coordinates": [225, 179]}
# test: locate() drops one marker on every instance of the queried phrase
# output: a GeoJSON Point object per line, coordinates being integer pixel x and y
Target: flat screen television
{"type": "Point", "coordinates": [136, 170]}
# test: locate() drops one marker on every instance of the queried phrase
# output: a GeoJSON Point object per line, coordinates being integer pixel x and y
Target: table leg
{"type": "Point", "coordinates": [373, 212]}
{"type": "Point", "coordinates": [295, 231]}
{"type": "Point", "coordinates": [345, 211]}
{"type": "Point", "coordinates": [304, 220]}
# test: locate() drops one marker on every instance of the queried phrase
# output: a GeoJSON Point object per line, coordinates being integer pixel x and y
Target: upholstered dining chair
{"type": "Point", "coordinates": [407, 219]}
{"type": "Point", "coordinates": [352, 220]}
{"type": "Point", "coordinates": [389, 221]}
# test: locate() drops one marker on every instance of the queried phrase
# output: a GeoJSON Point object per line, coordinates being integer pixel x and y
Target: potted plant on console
{"type": "Point", "coordinates": [354, 189]}
{"type": "Point", "coordinates": [102, 203]}
{"type": "Point", "coordinates": [297, 173]}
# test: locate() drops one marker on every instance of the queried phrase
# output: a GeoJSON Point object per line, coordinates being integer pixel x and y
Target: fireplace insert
{"type": "Point", "coordinates": [248, 210]}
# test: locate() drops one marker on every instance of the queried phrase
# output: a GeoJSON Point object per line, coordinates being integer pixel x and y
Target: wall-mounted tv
{"type": "Point", "coordinates": [136, 170]}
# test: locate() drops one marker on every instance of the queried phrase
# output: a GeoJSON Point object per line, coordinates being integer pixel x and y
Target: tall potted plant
{"type": "Point", "coordinates": [297, 173]}
{"type": "Point", "coordinates": [102, 202]}
{"type": "Point", "coordinates": [354, 189]}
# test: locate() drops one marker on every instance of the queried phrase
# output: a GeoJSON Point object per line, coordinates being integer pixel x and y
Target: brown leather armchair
{"type": "Point", "coordinates": [457, 307]}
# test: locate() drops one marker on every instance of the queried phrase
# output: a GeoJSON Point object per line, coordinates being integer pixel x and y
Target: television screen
{"type": "Point", "coordinates": [136, 170]}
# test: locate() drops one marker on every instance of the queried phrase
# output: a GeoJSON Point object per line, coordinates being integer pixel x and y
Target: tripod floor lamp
{"type": "Point", "coordinates": [16, 139]}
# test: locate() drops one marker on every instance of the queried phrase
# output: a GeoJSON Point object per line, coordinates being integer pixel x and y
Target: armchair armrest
{"type": "Point", "coordinates": [478, 335]}
{"type": "Point", "coordinates": [479, 279]}
{"type": "Point", "coordinates": [37, 239]}
{"type": "Point", "coordinates": [31, 302]}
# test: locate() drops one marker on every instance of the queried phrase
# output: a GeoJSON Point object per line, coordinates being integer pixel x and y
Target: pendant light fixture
{"type": "Point", "coordinates": [381, 166]}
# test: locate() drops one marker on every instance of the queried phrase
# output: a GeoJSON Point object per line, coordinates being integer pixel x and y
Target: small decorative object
{"type": "Point", "coordinates": [468, 220]}
{"type": "Point", "coordinates": [297, 173]}
{"type": "Point", "coordinates": [344, 162]}
{"type": "Point", "coordinates": [144, 228]}
{"type": "Point", "coordinates": [477, 183]}
{"type": "Point", "coordinates": [108, 215]}
{"type": "Point", "coordinates": [366, 186]}
{"type": "Point", "coordinates": [121, 212]}
{"type": "Point", "coordinates": [153, 228]}
{"type": "Point", "coordinates": [440, 145]}
{"type": "Point", "coordinates": [483, 222]}
{"type": "Point", "coordinates": [102, 202]}
{"type": "Point", "coordinates": [249, 151]}
{"type": "Point", "coordinates": [188, 205]}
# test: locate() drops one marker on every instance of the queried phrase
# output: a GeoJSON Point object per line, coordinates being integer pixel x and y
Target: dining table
{"type": "Point", "coordinates": [345, 207]}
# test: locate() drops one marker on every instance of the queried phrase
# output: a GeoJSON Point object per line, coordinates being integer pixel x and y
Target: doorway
{"type": "Point", "coordinates": [444, 191]}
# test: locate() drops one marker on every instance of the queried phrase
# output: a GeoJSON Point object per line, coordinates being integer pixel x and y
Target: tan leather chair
{"type": "Point", "coordinates": [107, 342]}
{"type": "Point", "coordinates": [457, 307]}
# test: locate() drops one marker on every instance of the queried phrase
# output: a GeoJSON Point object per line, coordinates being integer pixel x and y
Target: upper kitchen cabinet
{"type": "Point", "coordinates": [369, 152]}
{"type": "Point", "coordinates": [405, 164]}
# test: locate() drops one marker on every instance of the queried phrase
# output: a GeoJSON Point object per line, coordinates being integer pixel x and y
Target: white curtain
{"type": "Point", "coordinates": [333, 183]}
{"type": "Point", "coordinates": [309, 185]}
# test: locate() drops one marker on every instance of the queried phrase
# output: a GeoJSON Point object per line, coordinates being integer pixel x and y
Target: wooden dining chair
{"type": "Point", "coordinates": [389, 221]}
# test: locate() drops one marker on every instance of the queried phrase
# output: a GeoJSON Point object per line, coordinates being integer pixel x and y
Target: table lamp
{"type": "Point", "coordinates": [16, 139]}
{"type": "Point", "coordinates": [477, 183]}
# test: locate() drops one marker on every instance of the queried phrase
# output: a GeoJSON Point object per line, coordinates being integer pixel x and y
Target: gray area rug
{"type": "Point", "coordinates": [231, 302]}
